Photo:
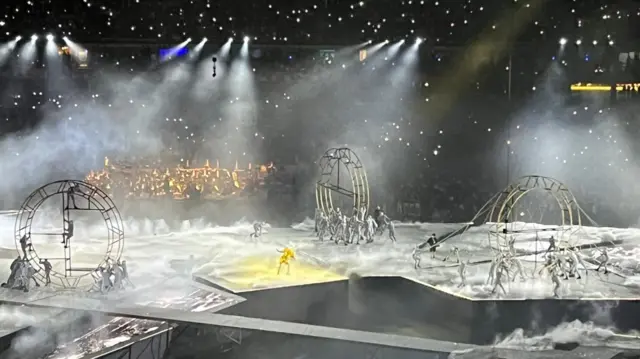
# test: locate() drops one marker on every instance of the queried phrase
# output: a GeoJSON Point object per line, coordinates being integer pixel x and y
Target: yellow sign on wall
{"type": "Point", "coordinates": [634, 87]}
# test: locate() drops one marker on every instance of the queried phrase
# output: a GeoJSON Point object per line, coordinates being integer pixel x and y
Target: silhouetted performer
{"type": "Point", "coordinates": [71, 199]}
{"type": "Point", "coordinates": [68, 233]}
{"type": "Point", "coordinates": [433, 244]}
{"type": "Point", "coordinates": [47, 271]}
{"type": "Point", "coordinates": [24, 245]}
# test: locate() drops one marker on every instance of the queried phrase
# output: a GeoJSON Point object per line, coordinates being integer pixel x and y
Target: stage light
{"type": "Point", "coordinates": [386, 41]}
{"type": "Point", "coordinates": [34, 37]}
{"type": "Point", "coordinates": [419, 40]}
{"type": "Point", "coordinates": [230, 39]}
{"type": "Point", "coordinates": [578, 42]}
{"type": "Point", "coordinates": [246, 39]}
{"type": "Point", "coordinates": [189, 40]}
{"type": "Point", "coordinates": [611, 43]}
{"type": "Point", "coordinates": [18, 38]}
{"type": "Point", "coordinates": [563, 41]}
{"type": "Point", "coordinates": [49, 37]}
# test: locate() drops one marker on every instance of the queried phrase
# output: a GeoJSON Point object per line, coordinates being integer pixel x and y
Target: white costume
{"type": "Point", "coordinates": [257, 230]}
{"type": "Point", "coordinates": [462, 272]}
{"type": "Point", "coordinates": [604, 261]}
{"type": "Point", "coordinates": [370, 229]}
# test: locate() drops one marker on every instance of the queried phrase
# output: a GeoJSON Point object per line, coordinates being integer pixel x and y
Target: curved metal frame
{"type": "Point", "coordinates": [331, 160]}
{"type": "Point", "coordinates": [96, 200]}
{"type": "Point", "coordinates": [505, 201]}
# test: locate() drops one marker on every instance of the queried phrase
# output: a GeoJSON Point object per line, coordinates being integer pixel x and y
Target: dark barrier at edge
{"type": "Point", "coordinates": [401, 306]}
{"type": "Point", "coordinates": [318, 304]}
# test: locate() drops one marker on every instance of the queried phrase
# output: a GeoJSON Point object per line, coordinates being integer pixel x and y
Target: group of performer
{"type": "Point", "coordinates": [560, 263]}
{"type": "Point", "coordinates": [22, 274]}
{"type": "Point", "coordinates": [113, 276]}
{"type": "Point", "coordinates": [360, 227]}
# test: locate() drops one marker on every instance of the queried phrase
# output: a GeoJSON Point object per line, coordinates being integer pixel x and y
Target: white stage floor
{"type": "Point", "coordinates": [155, 255]}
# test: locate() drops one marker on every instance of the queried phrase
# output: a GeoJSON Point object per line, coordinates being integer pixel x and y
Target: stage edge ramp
{"type": "Point", "coordinates": [252, 324]}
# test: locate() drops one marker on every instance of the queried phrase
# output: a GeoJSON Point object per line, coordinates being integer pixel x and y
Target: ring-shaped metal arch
{"type": "Point", "coordinates": [505, 202]}
{"type": "Point", "coordinates": [329, 161]}
{"type": "Point", "coordinates": [94, 196]}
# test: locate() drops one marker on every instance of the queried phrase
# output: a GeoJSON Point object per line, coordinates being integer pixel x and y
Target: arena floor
{"type": "Point", "coordinates": [160, 259]}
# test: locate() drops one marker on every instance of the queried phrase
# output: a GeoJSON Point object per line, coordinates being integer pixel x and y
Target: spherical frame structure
{"type": "Point", "coordinates": [76, 195]}
{"type": "Point", "coordinates": [329, 181]}
{"type": "Point", "coordinates": [500, 212]}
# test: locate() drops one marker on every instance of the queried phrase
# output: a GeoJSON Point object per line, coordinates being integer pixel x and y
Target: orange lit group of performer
{"type": "Point", "coordinates": [285, 257]}
{"type": "Point", "coordinates": [177, 182]}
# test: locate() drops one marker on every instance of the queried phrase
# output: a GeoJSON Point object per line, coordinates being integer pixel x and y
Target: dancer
{"type": "Point", "coordinates": [502, 272]}
{"type": "Point", "coordinates": [573, 258]}
{"type": "Point", "coordinates": [24, 245]}
{"type": "Point", "coordinates": [462, 272]}
{"type": "Point", "coordinates": [512, 245]}
{"type": "Point", "coordinates": [257, 230]}
{"type": "Point", "coordinates": [552, 245]}
{"type": "Point", "coordinates": [287, 255]}
{"type": "Point", "coordinates": [125, 271]}
{"type": "Point", "coordinates": [604, 261]}
{"type": "Point", "coordinates": [416, 255]}
{"type": "Point", "coordinates": [341, 230]}
{"type": "Point", "coordinates": [322, 226]}
{"type": "Point", "coordinates": [47, 271]}
{"type": "Point", "coordinates": [553, 267]}
{"type": "Point", "coordinates": [370, 228]}
{"type": "Point", "coordinates": [433, 242]}
{"type": "Point", "coordinates": [455, 252]}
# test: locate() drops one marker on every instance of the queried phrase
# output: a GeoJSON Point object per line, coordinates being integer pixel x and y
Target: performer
{"type": "Point", "coordinates": [341, 229]}
{"type": "Point", "coordinates": [511, 259]}
{"type": "Point", "coordinates": [502, 272]}
{"type": "Point", "coordinates": [462, 272]}
{"type": "Point", "coordinates": [512, 245]}
{"type": "Point", "coordinates": [118, 276]}
{"type": "Point", "coordinates": [287, 255]}
{"type": "Point", "coordinates": [71, 198]}
{"type": "Point", "coordinates": [257, 230]}
{"type": "Point", "coordinates": [68, 232]}
{"type": "Point", "coordinates": [29, 271]}
{"type": "Point", "coordinates": [47, 271]}
{"type": "Point", "coordinates": [388, 224]}
{"type": "Point", "coordinates": [574, 259]}
{"type": "Point", "coordinates": [433, 242]}
{"type": "Point", "coordinates": [552, 244]}
{"type": "Point", "coordinates": [455, 252]}
{"type": "Point", "coordinates": [24, 246]}
{"type": "Point", "coordinates": [392, 230]}
{"type": "Point", "coordinates": [105, 280]}
{"type": "Point", "coordinates": [376, 215]}
{"type": "Point", "coordinates": [125, 272]}
{"type": "Point", "coordinates": [493, 268]}
{"type": "Point", "coordinates": [417, 253]}
{"type": "Point", "coordinates": [357, 229]}
{"type": "Point", "coordinates": [604, 261]}
{"type": "Point", "coordinates": [322, 226]}
{"type": "Point", "coordinates": [370, 228]}
{"type": "Point", "coordinates": [553, 267]}
{"type": "Point", "coordinates": [14, 268]}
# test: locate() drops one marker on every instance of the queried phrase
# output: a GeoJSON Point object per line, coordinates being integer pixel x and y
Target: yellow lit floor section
{"type": "Point", "coordinates": [259, 272]}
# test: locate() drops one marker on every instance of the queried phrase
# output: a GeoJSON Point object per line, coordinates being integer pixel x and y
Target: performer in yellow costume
{"type": "Point", "coordinates": [287, 255]}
